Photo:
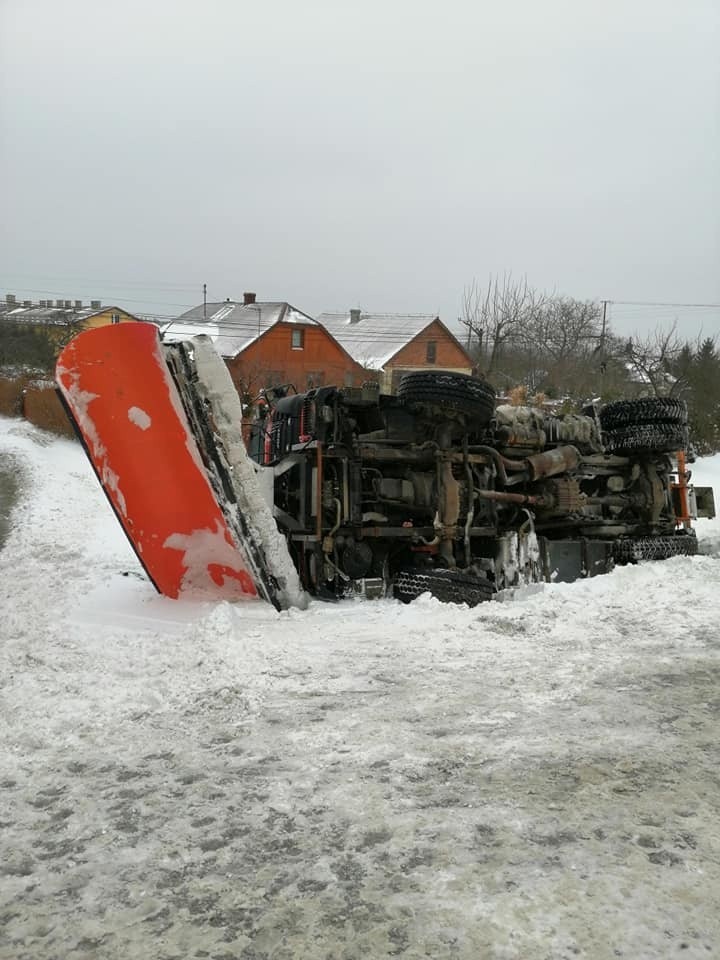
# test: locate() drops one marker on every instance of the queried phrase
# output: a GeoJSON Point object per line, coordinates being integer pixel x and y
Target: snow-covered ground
{"type": "Point", "coordinates": [531, 779]}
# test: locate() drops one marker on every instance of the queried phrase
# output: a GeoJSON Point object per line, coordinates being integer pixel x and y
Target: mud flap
{"type": "Point", "coordinates": [119, 393]}
{"type": "Point", "coordinates": [565, 561]}
{"type": "Point", "coordinates": [526, 558]}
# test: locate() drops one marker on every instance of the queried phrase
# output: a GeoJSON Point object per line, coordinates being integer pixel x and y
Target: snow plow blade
{"type": "Point", "coordinates": [185, 494]}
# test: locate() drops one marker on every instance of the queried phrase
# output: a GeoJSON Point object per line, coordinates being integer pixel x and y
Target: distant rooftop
{"type": "Point", "coordinates": [374, 338]}
{"type": "Point", "coordinates": [233, 326]}
{"type": "Point", "coordinates": [48, 311]}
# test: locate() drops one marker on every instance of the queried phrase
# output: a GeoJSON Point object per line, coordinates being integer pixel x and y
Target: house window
{"type": "Point", "coordinates": [297, 341]}
{"type": "Point", "coordinates": [315, 378]}
{"type": "Point", "coordinates": [115, 318]}
{"type": "Point", "coordinates": [431, 355]}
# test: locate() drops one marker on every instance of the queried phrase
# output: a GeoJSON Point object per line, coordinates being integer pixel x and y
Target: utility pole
{"type": "Point", "coordinates": [204, 301]}
{"type": "Point", "coordinates": [603, 362]}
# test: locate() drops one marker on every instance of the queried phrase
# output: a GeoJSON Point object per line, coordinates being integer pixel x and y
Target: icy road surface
{"type": "Point", "coordinates": [534, 779]}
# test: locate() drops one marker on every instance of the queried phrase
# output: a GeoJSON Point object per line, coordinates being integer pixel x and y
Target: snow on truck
{"type": "Point", "coordinates": [346, 491]}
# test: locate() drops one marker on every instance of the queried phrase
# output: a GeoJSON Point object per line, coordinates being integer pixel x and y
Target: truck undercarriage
{"type": "Point", "coordinates": [439, 489]}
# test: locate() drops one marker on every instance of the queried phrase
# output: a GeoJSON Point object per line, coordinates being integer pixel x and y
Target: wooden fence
{"type": "Point", "coordinates": [35, 399]}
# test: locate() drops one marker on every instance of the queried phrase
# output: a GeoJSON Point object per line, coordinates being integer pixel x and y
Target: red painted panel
{"type": "Point", "coordinates": [120, 393]}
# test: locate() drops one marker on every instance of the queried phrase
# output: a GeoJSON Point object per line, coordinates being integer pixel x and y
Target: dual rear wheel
{"type": "Point", "coordinates": [645, 425]}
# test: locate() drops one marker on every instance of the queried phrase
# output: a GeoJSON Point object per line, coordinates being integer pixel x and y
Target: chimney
{"type": "Point", "coordinates": [248, 298]}
{"type": "Point", "coordinates": [355, 315]}
{"type": "Point", "coordinates": [10, 300]}
{"type": "Point", "coordinates": [94, 304]}
{"type": "Point", "coordinates": [27, 303]}
{"type": "Point", "coordinates": [78, 304]}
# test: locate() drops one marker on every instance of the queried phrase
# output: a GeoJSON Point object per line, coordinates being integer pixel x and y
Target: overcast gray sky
{"type": "Point", "coordinates": [374, 154]}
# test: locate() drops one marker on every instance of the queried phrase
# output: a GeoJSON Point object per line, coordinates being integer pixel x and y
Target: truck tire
{"type": "Point", "coordinates": [624, 413]}
{"type": "Point", "coordinates": [635, 549]}
{"type": "Point", "coordinates": [457, 392]}
{"type": "Point", "coordinates": [647, 438]}
{"type": "Point", "coordinates": [449, 586]}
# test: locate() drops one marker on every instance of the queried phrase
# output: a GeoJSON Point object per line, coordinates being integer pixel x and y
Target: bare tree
{"type": "Point", "coordinates": [568, 341]}
{"type": "Point", "coordinates": [494, 314]}
{"type": "Point", "coordinates": [566, 328]}
{"type": "Point", "coordinates": [654, 360]}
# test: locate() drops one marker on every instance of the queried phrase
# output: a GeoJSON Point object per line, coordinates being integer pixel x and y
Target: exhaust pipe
{"type": "Point", "coordinates": [552, 462]}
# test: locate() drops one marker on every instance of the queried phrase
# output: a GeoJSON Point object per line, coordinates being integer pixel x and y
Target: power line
{"type": "Point", "coordinates": [249, 328]}
{"type": "Point", "coordinates": [158, 285]}
{"type": "Point", "coordinates": [84, 281]}
{"type": "Point", "coordinates": [653, 303]}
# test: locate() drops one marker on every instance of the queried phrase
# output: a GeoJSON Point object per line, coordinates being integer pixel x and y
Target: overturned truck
{"type": "Point", "coordinates": [436, 489]}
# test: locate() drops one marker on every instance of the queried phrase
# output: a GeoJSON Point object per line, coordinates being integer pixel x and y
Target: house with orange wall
{"type": "Point", "coordinates": [269, 343]}
{"type": "Point", "coordinates": [394, 344]}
